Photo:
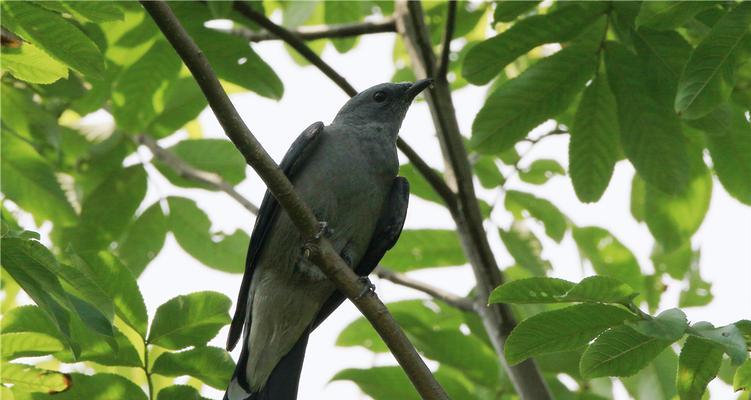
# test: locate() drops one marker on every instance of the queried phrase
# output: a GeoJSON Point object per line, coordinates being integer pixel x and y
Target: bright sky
{"type": "Point", "coordinates": [309, 96]}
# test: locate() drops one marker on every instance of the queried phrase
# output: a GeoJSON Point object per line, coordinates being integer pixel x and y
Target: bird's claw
{"type": "Point", "coordinates": [368, 289]}
{"type": "Point", "coordinates": [323, 230]}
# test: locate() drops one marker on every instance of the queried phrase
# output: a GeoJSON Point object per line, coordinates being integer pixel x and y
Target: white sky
{"type": "Point", "coordinates": [725, 237]}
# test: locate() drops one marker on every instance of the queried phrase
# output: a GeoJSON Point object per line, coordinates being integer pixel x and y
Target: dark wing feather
{"type": "Point", "coordinates": [295, 157]}
{"type": "Point", "coordinates": [388, 229]}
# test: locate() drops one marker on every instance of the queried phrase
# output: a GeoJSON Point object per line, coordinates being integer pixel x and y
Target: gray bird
{"type": "Point", "coordinates": [347, 173]}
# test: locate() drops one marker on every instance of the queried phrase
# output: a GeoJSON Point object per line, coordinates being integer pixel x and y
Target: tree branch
{"type": "Point", "coordinates": [497, 318]}
{"type": "Point", "coordinates": [321, 251]}
{"type": "Point", "coordinates": [448, 34]}
{"type": "Point", "coordinates": [435, 181]}
{"type": "Point", "coordinates": [186, 171]}
{"type": "Point", "coordinates": [320, 31]}
{"type": "Point", "coordinates": [451, 299]}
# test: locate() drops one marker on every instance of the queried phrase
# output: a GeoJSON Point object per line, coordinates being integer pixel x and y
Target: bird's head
{"type": "Point", "coordinates": [381, 106]}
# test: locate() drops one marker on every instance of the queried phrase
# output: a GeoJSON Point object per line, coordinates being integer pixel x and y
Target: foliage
{"type": "Point", "coordinates": [664, 86]}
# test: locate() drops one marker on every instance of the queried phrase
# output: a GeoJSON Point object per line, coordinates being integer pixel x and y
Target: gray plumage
{"type": "Point", "coordinates": [347, 173]}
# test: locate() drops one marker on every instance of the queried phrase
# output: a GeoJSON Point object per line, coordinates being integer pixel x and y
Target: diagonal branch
{"type": "Point", "coordinates": [448, 34]}
{"type": "Point", "coordinates": [497, 318]}
{"type": "Point", "coordinates": [438, 184]}
{"type": "Point", "coordinates": [296, 43]}
{"type": "Point", "coordinates": [451, 299]}
{"type": "Point", "coordinates": [320, 31]}
{"type": "Point", "coordinates": [186, 171]}
{"type": "Point", "coordinates": [321, 251]}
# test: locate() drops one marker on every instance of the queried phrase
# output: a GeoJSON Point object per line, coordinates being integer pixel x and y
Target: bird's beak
{"type": "Point", "coordinates": [416, 88]}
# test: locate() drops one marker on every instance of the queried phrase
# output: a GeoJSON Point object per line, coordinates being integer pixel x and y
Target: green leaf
{"type": "Point", "coordinates": [507, 10]}
{"type": "Point", "coordinates": [100, 386]}
{"type": "Point", "coordinates": [144, 239]}
{"type": "Point", "coordinates": [728, 136]}
{"type": "Point", "coordinates": [698, 293]}
{"type": "Point", "coordinates": [599, 289]}
{"type": "Point", "coordinates": [29, 63]}
{"type": "Point", "coordinates": [540, 171]}
{"type": "Point", "coordinates": [665, 15]}
{"type": "Point", "coordinates": [55, 35]}
{"type": "Point", "coordinates": [489, 57]}
{"type": "Point", "coordinates": [189, 320]}
{"type": "Point", "coordinates": [183, 102]}
{"type": "Point", "coordinates": [525, 247]}
{"type": "Point", "coordinates": [609, 257]}
{"type": "Point", "coordinates": [218, 156]}
{"type": "Point", "coordinates": [540, 209]}
{"type": "Point", "coordinates": [120, 286]}
{"type": "Point", "coordinates": [28, 344]}
{"type": "Point", "coordinates": [95, 11]}
{"type": "Point", "coordinates": [540, 92]}
{"type": "Point", "coordinates": [137, 93]}
{"type": "Point", "coordinates": [620, 351]}
{"type": "Point", "coordinates": [110, 207]}
{"type": "Point", "coordinates": [220, 9]}
{"type": "Point", "coordinates": [638, 194]}
{"type": "Point", "coordinates": [191, 225]}
{"type": "Point", "coordinates": [30, 264]}
{"type": "Point", "coordinates": [707, 80]}
{"type": "Point", "coordinates": [180, 392]}
{"type": "Point", "coordinates": [594, 147]}
{"type": "Point", "coordinates": [699, 363]}
{"type": "Point", "coordinates": [669, 325]}
{"type": "Point", "coordinates": [487, 172]}
{"type": "Point", "coordinates": [656, 381]}
{"type": "Point", "coordinates": [418, 186]}
{"type": "Point", "coordinates": [564, 329]}
{"type": "Point", "coordinates": [26, 378]}
{"type": "Point", "coordinates": [729, 337]}
{"type": "Point", "coordinates": [742, 378]}
{"type": "Point", "coordinates": [380, 383]}
{"type": "Point", "coordinates": [339, 12]}
{"type": "Point", "coordinates": [425, 248]}
{"type": "Point", "coordinates": [211, 365]}
{"type": "Point", "coordinates": [651, 133]}
{"type": "Point", "coordinates": [664, 54]}
{"type": "Point", "coordinates": [676, 263]}
{"type": "Point", "coordinates": [673, 219]}
{"type": "Point", "coordinates": [30, 181]}
{"type": "Point", "coordinates": [531, 290]}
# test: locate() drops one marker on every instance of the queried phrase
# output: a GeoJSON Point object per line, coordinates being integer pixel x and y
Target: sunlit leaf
{"type": "Point", "coordinates": [565, 329]}
{"type": "Point", "coordinates": [698, 365]}
{"type": "Point", "coordinates": [213, 155]}
{"type": "Point", "coordinates": [669, 14]}
{"type": "Point", "coordinates": [189, 320]}
{"type": "Point", "coordinates": [425, 248]}
{"type": "Point", "coordinates": [29, 63]}
{"type": "Point", "coordinates": [211, 365]}
{"type": "Point", "coordinates": [26, 378]}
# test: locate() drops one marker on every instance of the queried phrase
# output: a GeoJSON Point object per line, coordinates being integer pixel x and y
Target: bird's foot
{"type": "Point", "coordinates": [368, 289]}
{"type": "Point", "coordinates": [323, 230]}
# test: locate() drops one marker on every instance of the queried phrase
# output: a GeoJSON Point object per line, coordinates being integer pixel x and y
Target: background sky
{"type": "Point", "coordinates": [725, 236]}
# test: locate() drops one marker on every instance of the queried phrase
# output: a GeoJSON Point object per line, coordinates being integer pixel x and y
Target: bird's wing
{"type": "Point", "coordinates": [387, 231]}
{"type": "Point", "coordinates": [293, 160]}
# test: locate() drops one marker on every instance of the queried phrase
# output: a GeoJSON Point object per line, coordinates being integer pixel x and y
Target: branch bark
{"type": "Point", "coordinates": [438, 184]}
{"type": "Point", "coordinates": [451, 299]}
{"type": "Point", "coordinates": [320, 31]}
{"type": "Point", "coordinates": [448, 34]}
{"type": "Point", "coordinates": [322, 253]}
{"type": "Point", "coordinates": [188, 172]}
{"type": "Point", "coordinates": [497, 318]}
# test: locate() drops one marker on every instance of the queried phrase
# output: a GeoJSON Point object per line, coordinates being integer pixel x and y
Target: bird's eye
{"type": "Point", "coordinates": [379, 96]}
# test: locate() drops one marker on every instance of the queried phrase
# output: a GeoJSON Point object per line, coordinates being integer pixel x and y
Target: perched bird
{"type": "Point", "coordinates": [347, 173]}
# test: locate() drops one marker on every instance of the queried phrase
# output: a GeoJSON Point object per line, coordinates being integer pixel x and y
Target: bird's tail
{"type": "Point", "coordinates": [282, 383]}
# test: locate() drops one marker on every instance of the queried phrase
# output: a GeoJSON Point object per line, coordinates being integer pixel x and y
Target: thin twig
{"type": "Point", "coordinates": [296, 43]}
{"type": "Point", "coordinates": [436, 182]}
{"type": "Point", "coordinates": [451, 299]}
{"type": "Point", "coordinates": [186, 171]}
{"type": "Point", "coordinates": [321, 251]}
{"type": "Point", "coordinates": [448, 35]}
{"type": "Point", "coordinates": [319, 31]}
